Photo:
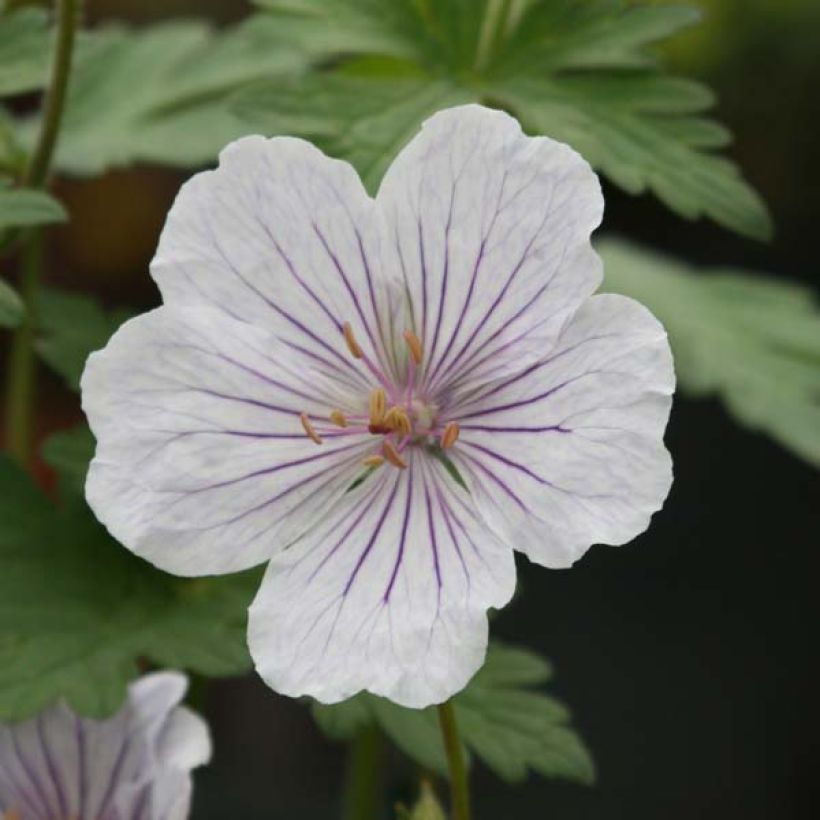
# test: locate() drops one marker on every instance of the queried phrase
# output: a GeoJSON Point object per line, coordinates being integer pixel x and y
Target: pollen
{"type": "Point", "coordinates": [378, 405]}
{"type": "Point", "coordinates": [309, 430]}
{"type": "Point", "coordinates": [12, 814]}
{"type": "Point", "coordinates": [373, 461]}
{"type": "Point", "coordinates": [352, 344]}
{"type": "Point", "coordinates": [413, 345]}
{"type": "Point", "coordinates": [338, 418]}
{"type": "Point", "coordinates": [450, 435]}
{"type": "Point", "coordinates": [392, 455]}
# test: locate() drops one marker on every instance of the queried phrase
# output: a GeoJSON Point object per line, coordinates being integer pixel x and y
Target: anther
{"type": "Point", "coordinates": [12, 814]}
{"type": "Point", "coordinates": [378, 404]}
{"type": "Point", "coordinates": [413, 345]}
{"type": "Point", "coordinates": [308, 427]}
{"type": "Point", "coordinates": [392, 455]}
{"type": "Point", "coordinates": [398, 420]}
{"type": "Point", "coordinates": [373, 461]}
{"type": "Point", "coordinates": [450, 435]}
{"type": "Point", "coordinates": [338, 418]}
{"type": "Point", "coordinates": [352, 344]}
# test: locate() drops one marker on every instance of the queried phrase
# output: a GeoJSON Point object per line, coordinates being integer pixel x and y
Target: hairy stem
{"type": "Point", "coordinates": [459, 789]}
{"type": "Point", "coordinates": [362, 798]}
{"type": "Point", "coordinates": [21, 367]}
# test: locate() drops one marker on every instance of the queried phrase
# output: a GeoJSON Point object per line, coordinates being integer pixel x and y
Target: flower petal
{"type": "Point", "coordinates": [570, 452]}
{"type": "Point", "coordinates": [490, 229]}
{"type": "Point", "coordinates": [388, 593]}
{"type": "Point", "coordinates": [282, 237]}
{"type": "Point", "coordinates": [61, 765]}
{"type": "Point", "coordinates": [202, 464]}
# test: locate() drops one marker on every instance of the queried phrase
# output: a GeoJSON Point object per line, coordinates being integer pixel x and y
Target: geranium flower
{"type": "Point", "coordinates": [382, 398]}
{"type": "Point", "coordinates": [135, 765]}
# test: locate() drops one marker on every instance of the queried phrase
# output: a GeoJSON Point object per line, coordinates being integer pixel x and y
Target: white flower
{"type": "Point", "coordinates": [312, 337]}
{"type": "Point", "coordinates": [135, 765]}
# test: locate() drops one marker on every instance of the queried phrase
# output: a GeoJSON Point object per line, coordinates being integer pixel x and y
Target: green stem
{"type": "Point", "coordinates": [362, 799]}
{"type": "Point", "coordinates": [493, 31]}
{"type": "Point", "coordinates": [20, 386]}
{"type": "Point", "coordinates": [68, 15]}
{"type": "Point", "coordinates": [459, 789]}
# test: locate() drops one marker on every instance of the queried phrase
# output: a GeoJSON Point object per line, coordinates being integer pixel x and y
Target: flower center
{"type": "Point", "coordinates": [395, 415]}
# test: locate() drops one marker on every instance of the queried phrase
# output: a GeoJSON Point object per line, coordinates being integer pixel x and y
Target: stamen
{"type": "Point", "coordinates": [450, 435]}
{"type": "Point", "coordinates": [338, 418]}
{"type": "Point", "coordinates": [352, 344]}
{"type": "Point", "coordinates": [373, 461]}
{"type": "Point", "coordinates": [414, 345]}
{"type": "Point", "coordinates": [378, 404]}
{"type": "Point", "coordinates": [392, 455]}
{"type": "Point", "coordinates": [398, 420]}
{"type": "Point", "coordinates": [12, 814]}
{"type": "Point", "coordinates": [308, 427]}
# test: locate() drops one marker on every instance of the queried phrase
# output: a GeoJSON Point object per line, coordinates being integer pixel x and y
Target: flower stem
{"type": "Point", "coordinates": [459, 790]}
{"type": "Point", "coordinates": [362, 797]}
{"type": "Point", "coordinates": [20, 386]}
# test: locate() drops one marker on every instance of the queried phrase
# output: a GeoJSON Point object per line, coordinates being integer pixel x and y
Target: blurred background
{"type": "Point", "coordinates": [686, 657]}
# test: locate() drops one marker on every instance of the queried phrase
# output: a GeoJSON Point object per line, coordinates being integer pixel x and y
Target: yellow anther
{"type": "Point", "coordinates": [392, 455]}
{"type": "Point", "coordinates": [352, 344]}
{"type": "Point", "coordinates": [12, 814]}
{"type": "Point", "coordinates": [338, 418]}
{"type": "Point", "coordinates": [450, 435]}
{"type": "Point", "coordinates": [413, 345]}
{"type": "Point", "coordinates": [378, 405]}
{"type": "Point", "coordinates": [373, 461]}
{"type": "Point", "coordinates": [311, 433]}
{"type": "Point", "coordinates": [398, 420]}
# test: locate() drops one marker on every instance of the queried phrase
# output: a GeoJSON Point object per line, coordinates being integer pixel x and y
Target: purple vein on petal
{"type": "Point", "coordinates": [400, 554]}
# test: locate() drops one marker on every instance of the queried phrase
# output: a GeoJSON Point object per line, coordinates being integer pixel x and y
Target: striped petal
{"type": "Point", "coordinates": [59, 765]}
{"type": "Point", "coordinates": [202, 464]}
{"type": "Point", "coordinates": [569, 452]}
{"type": "Point", "coordinates": [490, 230]}
{"type": "Point", "coordinates": [284, 238]}
{"type": "Point", "coordinates": [388, 593]}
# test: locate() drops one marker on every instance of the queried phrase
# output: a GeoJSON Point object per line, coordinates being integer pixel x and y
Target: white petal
{"type": "Point", "coordinates": [60, 765]}
{"type": "Point", "coordinates": [491, 231]}
{"type": "Point", "coordinates": [569, 452]}
{"type": "Point", "coordinates": [388, 593]}
{"type": "Point", "coordinates": [282, 237]}
{"type": "Point", "coordinates": [202, 465]}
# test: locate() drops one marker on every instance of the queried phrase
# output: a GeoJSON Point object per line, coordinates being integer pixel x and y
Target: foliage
{"type": "Point", "coordinates": [77, 611]}
{"type": "Point", "coordinates": [580, 72]}
{"type": "Point", "coordinates": [161, 91]}
{"type": "Point", "coordinates": [24, 208]}
{"type": "Point", "coordinates": [24, 42]}
{"type": "Point", "coordinates": [746, 338]}
{"type": "Point", "coordinates": [505, 723]}
{"type": "Point", "coordinates": [71, 326]}
{"type": "Point", "coordinates": [12, 309]}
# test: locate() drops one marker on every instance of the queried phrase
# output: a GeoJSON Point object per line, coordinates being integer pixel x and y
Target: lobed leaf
{"type": "Point", "coordinates": [510, 727]}
{"type": "Point", "coordinates": [751, 340]}
{"type": "Point", "coordinates": [26, 208]}
{"type": "Point", "coordinates": [580, 71]}
{"type": "Point", "coordinates": [70, 327]}
{"type": "Point", "coordinates": [25, 42]}
{"type": "Point", "coordinates": [12, 308]}
{"type": "Point", "coordinates": [77, 611]}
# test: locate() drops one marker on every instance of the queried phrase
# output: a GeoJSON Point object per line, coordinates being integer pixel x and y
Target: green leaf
{"type": "Point", "coordinates": [12, 308]}
{"type": "Point", "coordinates": [581, 71]}
{"type": "Point", "coordinates": [158, 94]}
{"type": "Point", "coordinates": [747, 338]}
{"type": "Point", "coordinates": [25, 208]}
{"type": "Point", "coordinates": [25, 43]}
{"type": "Point", "coordinates": [77, 610]}
{"type": "Point", "coordinates": [69, 453]}
{"type": "Point", "coordinates": [72, 326]}
{"type": "Point", "coordinates": [502, 720]}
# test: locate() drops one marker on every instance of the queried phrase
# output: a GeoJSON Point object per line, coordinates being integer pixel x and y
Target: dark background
{"type": "Point", "coordinates": [687, 656]}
